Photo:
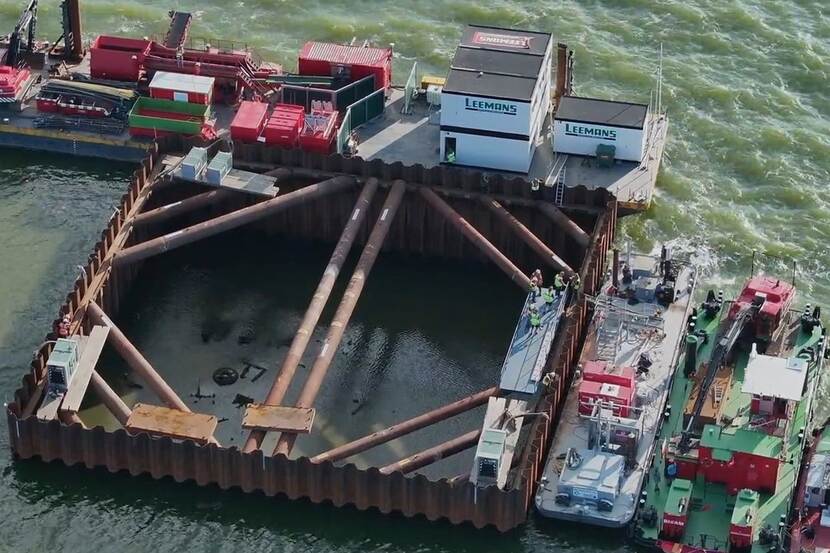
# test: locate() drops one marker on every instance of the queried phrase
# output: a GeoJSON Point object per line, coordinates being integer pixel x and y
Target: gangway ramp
{"type": "Point", "coordinates": [528, 352]}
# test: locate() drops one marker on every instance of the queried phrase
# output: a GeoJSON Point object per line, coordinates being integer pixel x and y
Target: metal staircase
{"type": "Point", "coordinates": [608, 338]}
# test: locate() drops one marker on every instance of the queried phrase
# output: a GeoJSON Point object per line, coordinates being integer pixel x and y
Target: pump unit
{"type": "Point", "coordinates": [489, 455]}
{"type": "Point", "coordinates": [61, 366]}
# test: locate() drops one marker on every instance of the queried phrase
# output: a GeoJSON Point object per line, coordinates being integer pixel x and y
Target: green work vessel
{"type": "Point", "coordinates": [733, 434]}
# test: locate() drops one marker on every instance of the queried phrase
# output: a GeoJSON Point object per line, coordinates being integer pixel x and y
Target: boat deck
{"type": "Point", "coordinates": [707, 527]}
{"type": "Point", "coordinates": [617, 336]}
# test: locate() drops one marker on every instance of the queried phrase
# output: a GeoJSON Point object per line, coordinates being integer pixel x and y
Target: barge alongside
{"type": "Point", "coordinates": [607, 430]}
{"type": "Point", "coordinates": [734, 433]}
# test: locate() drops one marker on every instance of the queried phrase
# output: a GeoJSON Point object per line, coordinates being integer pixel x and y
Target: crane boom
{"type": "Point", "coordinates": [726, 340]}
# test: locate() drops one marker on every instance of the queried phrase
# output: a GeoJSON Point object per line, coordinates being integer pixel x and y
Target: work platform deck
{"type": "Point", "coordinates": [413, 139]}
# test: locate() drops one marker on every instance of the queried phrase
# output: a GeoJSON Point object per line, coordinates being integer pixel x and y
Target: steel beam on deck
{"type": "Point", "coordinates": [135, 360]}
{"type": "Point", "coordinates": [192, 203]}
{"type": "Point", "coordinates": [565, 223]}
{"type": "Point", "coordinates": [470, 232]}
{"type": "Point", "coordinates": [346, 308]}
{"type": "Point", "coordinates": [315, 308]}
{"type": "Point", "coordinates": [525, 234]}
{"type": "Point", "coordinates": [434, 454]}
{"type": "Point", "coordinates": [229, 221]}
{"type": "Point", "coordinates": [113, 402]}
{"type": "Point", "coordinates": [406, 427]}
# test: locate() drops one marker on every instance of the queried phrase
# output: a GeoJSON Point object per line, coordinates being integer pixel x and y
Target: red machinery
{"type": "Point", "coordinates": [775, 297]}
{"type": "Point", "coordinates": [601, 384]}
{"type": "Point", "coordinates": [351, 63]}
{"type": "Point", "coordinates": [11, 81]}
{"type": "Point", "coordinates": [319, 131]}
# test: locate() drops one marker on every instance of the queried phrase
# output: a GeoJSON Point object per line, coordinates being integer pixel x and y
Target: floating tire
{"type": "Point", "coordinates": [225, 376]}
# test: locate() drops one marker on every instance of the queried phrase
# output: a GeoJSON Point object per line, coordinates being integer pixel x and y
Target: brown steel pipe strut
{"type": "Point", "coordinates": [565, 223]}
{"type": "Point", "coordinates": [315, 308]}
{"type": "Point", "coordinates": [135, 360]}
{"type": "Point", "coordinates": [346, 308]}
{"type": "Point", "coordinates": [406, 427]}
{"type": "Point", "coordinates": [470, 232]}
{"type": "Point", "coordinates": [434, 454]}
{"type": "Point", "coordinates": [525, 234]}
{"type": "Point", "coordinates": [192, 203]}
{"type": "Point", "coordinates": [112, 401]}
{"type": "Point", "coordinates": [229, 221]}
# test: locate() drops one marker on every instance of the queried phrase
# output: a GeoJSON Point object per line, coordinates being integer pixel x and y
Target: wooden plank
{"type": "Point", "coordinates": [80, 380]}
{"type": "Point", "coordinates": [172, 423]}
{"type": "Point", "coordinates": [275, 418]}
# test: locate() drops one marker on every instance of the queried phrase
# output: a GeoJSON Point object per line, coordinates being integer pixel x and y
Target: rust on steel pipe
{"type": "Point", "coordinates": [526, 234]}
{"type": "Point", "coordinates": [192, 203]}
{"type": "Point", "coordinates": [565, 223]}
{"type": "Point", "coordinates": [470, 232]}
{"type": "Point", "coordinates": [108, 396]}
{"type": "Point", "coordinates": [229, 221]}
{"type": "Point", "coordinates": [135, 360]}
{"type": "Point", "coordinates": [406, 427]}
{"type": "Point", "coordinates": [434, 454]}
{"type": "Point", "coordinates": [315, 308]}
{"type": "Point", "coordinates": [346, 308]}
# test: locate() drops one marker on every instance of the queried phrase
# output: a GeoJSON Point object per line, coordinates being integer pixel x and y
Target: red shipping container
{"type": "Point", "coordinates": [328, 60]}
{"type": "Point", "coordinates": [116, 58]}
{"type": "Point", "coordinates": [249, 121]}
{"type": "Point", "coordinates": [283, 127]}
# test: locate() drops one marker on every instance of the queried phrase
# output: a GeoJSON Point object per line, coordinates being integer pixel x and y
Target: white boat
{"type": "Point", "coordinates": [606, 432]}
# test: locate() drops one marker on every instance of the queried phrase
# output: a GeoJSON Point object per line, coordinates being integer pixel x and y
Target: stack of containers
{"type": "Point", "coordinates": [11, 81]}
{"type": "Point", "coordinates": [249, 121]}
{"type": "Point", "coordinates": [284, 125]}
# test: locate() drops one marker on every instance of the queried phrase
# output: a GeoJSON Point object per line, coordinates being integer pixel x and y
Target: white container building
{"type": "Point", "coordinates": [582, 124]}
{"type": "Point", "coordinates": [496, 98]}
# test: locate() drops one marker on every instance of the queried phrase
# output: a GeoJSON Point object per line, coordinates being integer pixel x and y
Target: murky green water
{"type": "Point", "coordinates": [748, 167]}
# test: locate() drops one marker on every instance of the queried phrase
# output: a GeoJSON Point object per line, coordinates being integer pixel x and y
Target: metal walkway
{"type": "Point", "coordinates": [526, 357]}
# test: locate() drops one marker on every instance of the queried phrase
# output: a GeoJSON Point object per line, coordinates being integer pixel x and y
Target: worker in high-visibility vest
{"type": "Point", "coordinates": [547, 297]}
{"type": "Point", "coordinates": [535, 320]}
{"type": "Point", "coordinates": [450, 156]}
{"type": "Point", "coordinates": [575, 282]}
{"type": "Point", "coordinates": [558, 284]}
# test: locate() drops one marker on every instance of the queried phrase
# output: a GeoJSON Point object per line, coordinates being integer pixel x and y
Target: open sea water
{"type": "Point", "coordinates": [747, 88]}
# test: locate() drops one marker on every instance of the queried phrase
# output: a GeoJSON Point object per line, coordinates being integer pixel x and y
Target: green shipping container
{"type": "Point", "coordinates": [148, 113]}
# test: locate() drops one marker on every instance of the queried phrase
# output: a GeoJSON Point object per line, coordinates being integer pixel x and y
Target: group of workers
{"type": "Point", "coordinates": [560, 282]}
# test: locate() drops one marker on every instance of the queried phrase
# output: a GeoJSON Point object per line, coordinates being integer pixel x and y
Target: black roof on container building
{"type": "Point", "coordinates": [601, 112]}
{"type": "Point", "coordinates": [499, 63]}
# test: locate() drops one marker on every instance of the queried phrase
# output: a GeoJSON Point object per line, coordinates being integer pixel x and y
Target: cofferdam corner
{"type": "Point", "coordinates": [413, 277]}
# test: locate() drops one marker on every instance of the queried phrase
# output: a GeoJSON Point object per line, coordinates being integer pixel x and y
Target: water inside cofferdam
{"type": "Point", "coordinates": [748, 164]}
{"type": "Point", "coordinates": [424, 334]}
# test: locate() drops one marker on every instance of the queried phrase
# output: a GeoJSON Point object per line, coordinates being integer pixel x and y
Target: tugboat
{"type": "Point", "coordinates": [606, 434]}
{"type": "Point", "coordinates": [810, 531]}
{"type": "Point", "coordinates": [735, 428]}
